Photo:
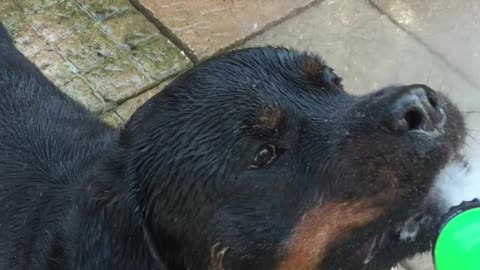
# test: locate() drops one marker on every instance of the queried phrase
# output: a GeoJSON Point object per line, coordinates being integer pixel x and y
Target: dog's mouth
{"type": "Point", "coordinates": [367, 252]}
{"type": "Point", "coordinates": [381, 250]}
{"type": "Point", "coordinates": [399, 235]}
{"type": "Point", "coordinates": [403, 239]}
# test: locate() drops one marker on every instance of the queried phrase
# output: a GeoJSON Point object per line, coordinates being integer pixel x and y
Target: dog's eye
{"type": "Point", "coordinates": [265, 155]}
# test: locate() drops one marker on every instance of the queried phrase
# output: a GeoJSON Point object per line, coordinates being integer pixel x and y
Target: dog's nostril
{"type": "Point", "coordinates": [412, 108]}
{"type": "Point", "coordinates": [414, 119]}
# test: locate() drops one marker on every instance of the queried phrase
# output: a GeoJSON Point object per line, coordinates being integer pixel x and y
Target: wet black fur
{"type": "Point", "coordinates": [174, 186]}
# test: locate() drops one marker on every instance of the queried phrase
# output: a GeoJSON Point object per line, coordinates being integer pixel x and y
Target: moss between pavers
{"type": "Point", "coordinates": [101, 52]}
{"type": "Point", "coordinates": [159, 59]}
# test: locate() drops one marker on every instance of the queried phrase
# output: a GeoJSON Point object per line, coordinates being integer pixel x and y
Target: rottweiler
{"type": "Point", "coordinates": [253, 159]}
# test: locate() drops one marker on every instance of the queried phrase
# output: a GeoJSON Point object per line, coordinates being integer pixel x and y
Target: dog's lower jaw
{"type": "Point", "coordinates": [459, 181]}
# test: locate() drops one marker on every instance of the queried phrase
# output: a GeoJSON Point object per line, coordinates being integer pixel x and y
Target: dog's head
{"type": "Point", "coordinates": [259, 159]}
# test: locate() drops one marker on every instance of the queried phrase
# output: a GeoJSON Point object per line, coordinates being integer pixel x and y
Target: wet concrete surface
{"type": "Point", "coordinates": [206, 27]}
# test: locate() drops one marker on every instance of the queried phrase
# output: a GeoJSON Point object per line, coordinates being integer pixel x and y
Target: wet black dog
{"type": "Point", "coordinates": [256, 159]}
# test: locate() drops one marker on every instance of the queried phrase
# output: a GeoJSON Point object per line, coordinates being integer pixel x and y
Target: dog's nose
{"type": "Point", "coordinates": [414, 107]}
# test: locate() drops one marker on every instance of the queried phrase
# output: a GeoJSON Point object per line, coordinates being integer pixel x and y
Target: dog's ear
{"type": "Point", "coordinates": [5, 38]}
{"type": "Point", "coordinates": [332, 78]}
{"type": "Point", "coordinates": [317, 71]}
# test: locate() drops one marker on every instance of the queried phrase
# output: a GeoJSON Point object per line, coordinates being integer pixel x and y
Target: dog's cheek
{"type": "Point", "coordinates": [321, 226]}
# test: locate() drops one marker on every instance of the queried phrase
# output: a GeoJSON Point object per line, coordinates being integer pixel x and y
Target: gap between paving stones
{"type": "Point", "coordinates": [114, 104]}
{"type": "Point", "coordinates": [270, 25]}
{"type": "Point", "coordinates": [442, 58]}
{"type": "Point", "coordinates": [144, 90]}
{"type": "Point", "coordinates": [164, 30]}
{"type": "Point", "coordinates": [123, 56]}
{"type": "Point", "coordinates": [84, 75]}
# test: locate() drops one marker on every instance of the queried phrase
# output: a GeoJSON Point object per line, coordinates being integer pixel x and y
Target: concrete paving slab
{"type": "Point", "coordinates": [207, 26]}
{"type": "Point", "coordinates": [450, 28]}
{"type": "Point", "coordinates": [367, 50]}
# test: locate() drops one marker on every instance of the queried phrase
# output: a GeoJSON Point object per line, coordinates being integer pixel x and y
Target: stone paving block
{"type": "Point", "coordinates": [367, 49]}
{"type": "Point", "coordinates": [10, 12]}
{"type": "Point", "coordinates": [100, 52]}
{"type": "Point", "coordinates": [79, 90]}
{"type": "Point", "coordinates": [207, 26]}
{"type": "Point", "coordinates": [159, 59]}
{"type": "Point", "coordinates": [53, 66]}
{"type": "Point", "coordinates": [59, 21]}
{"type": "Point", "coordinates": [39, 51]}
{"type": "Point", "coordinates": [34, 6]}
{"type": "Point", "coordinates": [118, 81]}
{"type": "Point", "coordinates": [130, 30]}
{"type": "Point", "coordinates": [102, 10]}
{"type": "Point", "coordinates": [27, 39]}
{"type": "Point", "coordinates": [87, 50]}
{"type": "Point", "coordinates": [450, 28]}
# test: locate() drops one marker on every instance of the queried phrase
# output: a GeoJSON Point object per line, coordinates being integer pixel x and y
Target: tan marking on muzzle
{"type": "Point", "coordinates": [321, 226]}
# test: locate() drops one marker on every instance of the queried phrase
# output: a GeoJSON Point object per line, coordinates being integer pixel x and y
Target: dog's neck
{"type": "Point", "coordinates": [163, 249]}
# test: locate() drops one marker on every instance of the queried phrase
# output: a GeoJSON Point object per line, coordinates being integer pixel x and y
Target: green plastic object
{"type": "Point", "coordinates": [457, 246]}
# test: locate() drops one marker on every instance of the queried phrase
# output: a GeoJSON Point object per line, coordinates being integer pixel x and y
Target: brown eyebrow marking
{"type": "Point", "coordinates": [268, 118]}
{"type": "Point", "coordinates": [321, 226]}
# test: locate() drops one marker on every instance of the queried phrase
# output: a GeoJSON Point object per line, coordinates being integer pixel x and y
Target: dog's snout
{"type": "Point", "coordinates": [414, 108]}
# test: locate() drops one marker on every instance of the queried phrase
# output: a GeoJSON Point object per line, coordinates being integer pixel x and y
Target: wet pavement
{"type": "Point", "coordinates": [206, 27]}
{"type": "Point", "coordinates": [112, 55]}
{"type": "Point", "coordinates": [102, 53]}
